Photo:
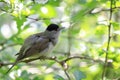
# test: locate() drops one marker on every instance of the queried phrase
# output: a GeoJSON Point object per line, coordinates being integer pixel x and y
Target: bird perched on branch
{"type": "Point", "coordinates": [39, 45]}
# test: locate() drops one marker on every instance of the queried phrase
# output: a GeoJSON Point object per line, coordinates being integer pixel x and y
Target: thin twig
{"type": "Point", "coordinates": [101, 10]}
{"type": "Point", "coordinates": [37, 19]}
{"type": "Point", "coordinates": [67, 75]}
{"type": "Point", "coordinates": [108, 43]}
{"type": "Point", "coordinates": [69, 40]}
{"type": "Point", "coordinates": [10, 45]}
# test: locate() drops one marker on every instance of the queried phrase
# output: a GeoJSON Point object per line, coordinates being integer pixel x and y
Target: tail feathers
{"type": "Point", "coordinates": [11, 67]}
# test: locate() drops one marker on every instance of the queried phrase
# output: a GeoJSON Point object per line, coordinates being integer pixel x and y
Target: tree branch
{"type": "Point", "coordinates": [100, 10]}
{"type": "Point", "coordinates": [63, 63]}
{"type": "Point", "coordinates": [108, 43]}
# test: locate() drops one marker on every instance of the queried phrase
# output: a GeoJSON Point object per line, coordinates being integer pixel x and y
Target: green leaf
{"type": "Point", "coordinates": [79, 15]}
{"type": "Point", "coordinates": [20, 21]}
{"type": "Point", "coordinates": [79, 75]}
{"type": "Point", "coordinates": [82, 1]}
{"type": "Point", "coordinates": [116, 25]}
{"type": "Point", "coordinates": [37, 77]}
{"type": "Point", "coordinates": [36, 8]}
{"type": "Point", "coordinates": [58, 77]}
{"type": "Point", "coordinates": [50, 63]}
{"type": "Point", "coordinates": [54, 2]}
{"type": "Point", "coordinates": [25, 75]}
{"type": "Point", "coordinates": [47, 11]}
{"type": "Point", "coordinates": [17, 40]}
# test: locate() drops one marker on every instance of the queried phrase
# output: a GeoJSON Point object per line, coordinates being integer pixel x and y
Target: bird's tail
{"type": "Point", "coordinates": [11, 67]}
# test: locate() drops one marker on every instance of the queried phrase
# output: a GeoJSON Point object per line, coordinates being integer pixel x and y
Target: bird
{"type": "Point", "coordinates": [39, 44]}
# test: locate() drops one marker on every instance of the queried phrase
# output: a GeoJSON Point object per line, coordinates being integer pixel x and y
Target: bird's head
{"type": "Point", "coordinates": [53, 30]}
{"type": "Point", "coordinates": [54, 27]}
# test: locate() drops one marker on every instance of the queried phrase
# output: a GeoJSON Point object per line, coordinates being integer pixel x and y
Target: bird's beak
{"type": "Point", "coordinates": [61, 28]}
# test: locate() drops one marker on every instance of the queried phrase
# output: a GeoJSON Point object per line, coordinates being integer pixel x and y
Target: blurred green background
{"type": "Point", "coordinates": [85, 34]}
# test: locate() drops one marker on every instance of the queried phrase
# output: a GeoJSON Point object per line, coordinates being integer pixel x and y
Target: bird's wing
{"type": "Point", "coordinates": [28, 42]}
{"type": "Point", "coordinates": [38, 45]}
{"type": "Point", "coordinates": [32, 45]}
